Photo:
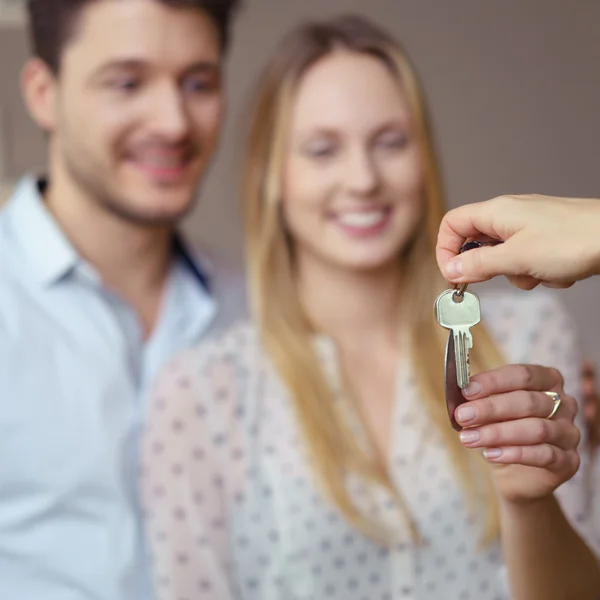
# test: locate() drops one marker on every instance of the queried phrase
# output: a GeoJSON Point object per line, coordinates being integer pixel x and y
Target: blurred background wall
{"type": "Point", "coordinates": [513, 86]}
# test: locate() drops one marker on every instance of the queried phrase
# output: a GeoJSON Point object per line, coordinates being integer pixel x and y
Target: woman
{"type": "Point", "coordinates": [309, 454]}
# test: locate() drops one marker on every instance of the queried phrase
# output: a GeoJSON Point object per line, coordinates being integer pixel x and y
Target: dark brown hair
{"type": "Point", "coordinates": [53, 23]}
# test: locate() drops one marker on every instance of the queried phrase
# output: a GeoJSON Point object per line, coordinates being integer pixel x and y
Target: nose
{"type": "Point", "coordinates": [362, 177]}
{"type": "Point", "coordinates": [170, 119]}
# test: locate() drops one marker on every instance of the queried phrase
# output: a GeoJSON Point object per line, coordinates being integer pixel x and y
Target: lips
{"type": "Point", "coordinates": [161, 162]}
{"type": "Point", "coordinates": [162, 167]}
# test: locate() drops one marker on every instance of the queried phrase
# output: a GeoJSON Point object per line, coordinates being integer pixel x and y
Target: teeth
{"type": "Point", "coordinates": [362, 219]}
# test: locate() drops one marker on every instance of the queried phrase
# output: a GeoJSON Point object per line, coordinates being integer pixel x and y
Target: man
{"type": "Point", "coordinates": [552, 241]}
{"type": "Point", "coordinates": [97, 288]}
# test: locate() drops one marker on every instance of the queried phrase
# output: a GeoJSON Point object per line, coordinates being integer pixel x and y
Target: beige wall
{"type": "Point", "coordinates": [6, 188]}
{"type": "Point", "coordinates": [514, 88]}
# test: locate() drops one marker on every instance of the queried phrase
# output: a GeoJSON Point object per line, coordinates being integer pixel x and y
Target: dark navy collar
{"type": "Point", "coordinates": [181, 250]}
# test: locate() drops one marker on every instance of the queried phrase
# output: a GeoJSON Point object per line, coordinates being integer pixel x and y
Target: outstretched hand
{"type": "Point", "coordinates": [539, 240]}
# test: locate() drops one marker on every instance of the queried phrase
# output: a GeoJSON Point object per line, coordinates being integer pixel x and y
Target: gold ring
{"type": "Point", "coordinates": [556, 397]}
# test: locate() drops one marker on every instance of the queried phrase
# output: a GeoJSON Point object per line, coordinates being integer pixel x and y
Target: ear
{"type": "Point", "coordinates": [39, 88]}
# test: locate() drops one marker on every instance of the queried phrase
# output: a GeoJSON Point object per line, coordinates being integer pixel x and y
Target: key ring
{"type": "Point", "coordinates": [462, 288]}
{"type": "Point", "coordinates": [557, 401]}
{"type": "Point", "coordinates": [460, 293]}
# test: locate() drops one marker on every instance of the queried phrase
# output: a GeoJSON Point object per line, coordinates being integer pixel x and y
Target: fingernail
{"type": "Point", "coordinates": [453, 268]}
{"type": "Point", "coordinates": [492, 453]}
{"type": "Point", "coordinates": [466, 413]}
{"type": "Point", "coordinates": [468, 436]}
{"type": "Point", "coordinates": [472, 389]}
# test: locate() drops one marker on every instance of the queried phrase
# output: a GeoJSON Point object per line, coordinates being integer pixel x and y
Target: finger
{"type": "Point", "coordinates": [588, 370]}
{"type": "Point", "coordinates": [470, 221]}
{"type": "Point", "coordinates": [558, 286]}
{"type": "Point", "coordinates": [543, 456]}
{"type": "Point", "coordinates": [511, 378]}
{"type": "Point", "coordinates": [481, 264]}
{"type": "Point", "coordinates": [524, 282]}
{"type": "Point", "coordinates": [588, 386]}
{"type": "Point", "coordinates": [456, 227]}
{"type": "Point", "coordinates": [523, 432]}
{"type": "Point", "coordinates": [510, 406]}
{"type": "Point", "coordinates": [478, 220]}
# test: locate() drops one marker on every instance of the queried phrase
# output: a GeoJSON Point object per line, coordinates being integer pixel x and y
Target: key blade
{"type": "Point", "coordinates": [454, 397]}
{"type": "Point", "coordinates": [459, 358]}
{"type": "Point", "coordinates": [462, 343]}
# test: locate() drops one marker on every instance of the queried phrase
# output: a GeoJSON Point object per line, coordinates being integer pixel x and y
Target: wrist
{"type": "Point", "coordinates": [527, 508]}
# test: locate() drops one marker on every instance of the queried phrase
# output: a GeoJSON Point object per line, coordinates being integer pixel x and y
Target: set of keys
{"type": "Point", "coordinates": [458, 310]}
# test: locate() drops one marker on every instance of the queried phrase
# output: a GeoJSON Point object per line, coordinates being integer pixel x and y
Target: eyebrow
{"type": "Point", "coordinates": [208, 67]}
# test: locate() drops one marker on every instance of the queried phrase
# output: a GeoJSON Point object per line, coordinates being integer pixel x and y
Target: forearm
{"type": "Point", "coordinates": [546, 558]}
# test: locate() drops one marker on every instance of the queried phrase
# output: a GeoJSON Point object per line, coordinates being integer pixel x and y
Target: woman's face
{"type": "Point", "coordinates": [353, 178]}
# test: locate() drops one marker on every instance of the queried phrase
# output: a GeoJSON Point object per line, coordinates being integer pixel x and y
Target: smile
{"type": "Point", "coordinates": [364, 222]}
{"type": "Point", "coordinates": [163, 169]}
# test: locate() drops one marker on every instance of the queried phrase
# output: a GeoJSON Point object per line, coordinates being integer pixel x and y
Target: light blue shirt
{"type": "Point", "coordinates": [74, 372]}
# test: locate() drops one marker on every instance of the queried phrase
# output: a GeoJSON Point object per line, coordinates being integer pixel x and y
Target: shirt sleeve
{"type": "Point", "coordinates": [182, 486]}
{"type": "Point", "coordinates": [553, 341]}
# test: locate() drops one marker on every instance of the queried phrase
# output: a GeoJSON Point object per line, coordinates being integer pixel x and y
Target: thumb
{"type": "Point", "coordinates": [481, 264]}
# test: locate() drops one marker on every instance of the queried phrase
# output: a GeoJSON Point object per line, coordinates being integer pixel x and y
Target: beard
{"type": "Point", "coordinates": [92, 179]}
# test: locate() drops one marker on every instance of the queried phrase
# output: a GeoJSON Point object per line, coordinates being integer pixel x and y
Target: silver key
{"type": "Point", "coordinates": [459, 315]}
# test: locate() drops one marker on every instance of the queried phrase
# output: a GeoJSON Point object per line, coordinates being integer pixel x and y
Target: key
{"type": "Point", "coordinates": [459, 313]}
{"type": "Point", "coordinates": [454, 397]}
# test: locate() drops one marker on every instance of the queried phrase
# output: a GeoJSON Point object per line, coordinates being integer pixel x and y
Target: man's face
{"type": "Point", "coordinates": [138, 107]}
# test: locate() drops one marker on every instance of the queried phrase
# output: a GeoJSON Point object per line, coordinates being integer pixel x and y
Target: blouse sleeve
{"type": "Point", "coordinates": [182, 486]}
{"type": "Point", "coordinates": [553, 341]}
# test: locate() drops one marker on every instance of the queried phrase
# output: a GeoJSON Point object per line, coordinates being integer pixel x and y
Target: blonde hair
{"type": "Point", "coordinates": [284, 327]}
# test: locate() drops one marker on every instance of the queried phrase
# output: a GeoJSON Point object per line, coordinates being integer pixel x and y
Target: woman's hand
{"type": "Point", "coordinates": [507, 418]}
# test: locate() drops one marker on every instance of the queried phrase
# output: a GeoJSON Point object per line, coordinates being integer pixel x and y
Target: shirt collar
{"type": "Point", "coordinates": [195, 261]}
{"type": "Point", "coordinates": [49, 252]}
{"type": "Point", "coordinates": [46, 248]}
